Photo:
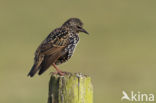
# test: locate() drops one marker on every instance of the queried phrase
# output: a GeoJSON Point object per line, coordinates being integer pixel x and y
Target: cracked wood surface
{"type": "Point", "coordinates": [70, 88]}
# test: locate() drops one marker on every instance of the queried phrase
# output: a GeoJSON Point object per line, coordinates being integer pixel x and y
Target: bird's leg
{"type": "Point", "coordinates": [58, 70]}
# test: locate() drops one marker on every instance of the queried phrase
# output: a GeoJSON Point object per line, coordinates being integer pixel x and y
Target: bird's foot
{"type": "Point", "coordinates": [61, 73]}
{"type": "Point", "coordinates": [58, 73]}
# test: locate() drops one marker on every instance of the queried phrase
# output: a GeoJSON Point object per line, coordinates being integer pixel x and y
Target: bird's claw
{"type": "Point", "coordinates": [58, 73]}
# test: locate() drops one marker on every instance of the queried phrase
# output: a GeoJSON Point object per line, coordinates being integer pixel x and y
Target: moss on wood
{"type": "Point", "coordinates": [71, 88]}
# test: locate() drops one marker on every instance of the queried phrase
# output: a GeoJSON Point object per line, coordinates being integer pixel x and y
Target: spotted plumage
{"type": "Point", "coordinates": [58, 47]}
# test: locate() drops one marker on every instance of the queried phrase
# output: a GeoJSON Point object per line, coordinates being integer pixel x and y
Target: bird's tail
{"type": "Point", "coordinates": [33, 70]}
{"type": "Point", "coordinates": [35, 67]}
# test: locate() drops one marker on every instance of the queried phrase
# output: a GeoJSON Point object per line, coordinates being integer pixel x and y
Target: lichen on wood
{"type": "Point", "coordinates": [70, 88]}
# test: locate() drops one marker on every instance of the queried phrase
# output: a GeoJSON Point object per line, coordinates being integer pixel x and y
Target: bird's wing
{"type": "Point", "coordinates": [52, 45]}
{"type": "Point", "coordinates": [55, 41]}
{"type": "Point", "coordinates": [47, 62]}
{"type": "Point", "coordinates": [52, 48]}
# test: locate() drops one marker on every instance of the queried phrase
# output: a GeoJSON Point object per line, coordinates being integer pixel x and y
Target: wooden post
{"type": "Point", "coordinates": [71, 88]}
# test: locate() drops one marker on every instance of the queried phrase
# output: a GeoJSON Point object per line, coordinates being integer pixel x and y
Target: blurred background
{"type": "Point", "coordinates": [119, 54]}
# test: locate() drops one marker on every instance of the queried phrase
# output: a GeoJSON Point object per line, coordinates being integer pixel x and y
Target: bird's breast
{"type": "Point", "coordinates": [69, 50]}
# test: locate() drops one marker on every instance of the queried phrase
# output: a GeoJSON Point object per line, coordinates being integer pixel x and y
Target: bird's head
{"type": "Point", "coordinates": [75, 24]}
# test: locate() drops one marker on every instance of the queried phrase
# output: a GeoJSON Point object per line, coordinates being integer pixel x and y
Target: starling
{"type": "Point", "coordinates": [58, 47]}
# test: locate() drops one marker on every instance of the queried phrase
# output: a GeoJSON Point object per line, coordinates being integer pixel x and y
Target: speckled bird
{"type": "Point", "coordinates": [58, 47]}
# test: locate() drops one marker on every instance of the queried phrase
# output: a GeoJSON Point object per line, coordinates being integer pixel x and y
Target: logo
{"type": "Point", "coordinates": [137, 96]}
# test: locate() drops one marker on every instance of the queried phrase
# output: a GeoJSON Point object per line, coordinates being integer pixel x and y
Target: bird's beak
{"type": "Point", "coordinates": [84, 31]}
